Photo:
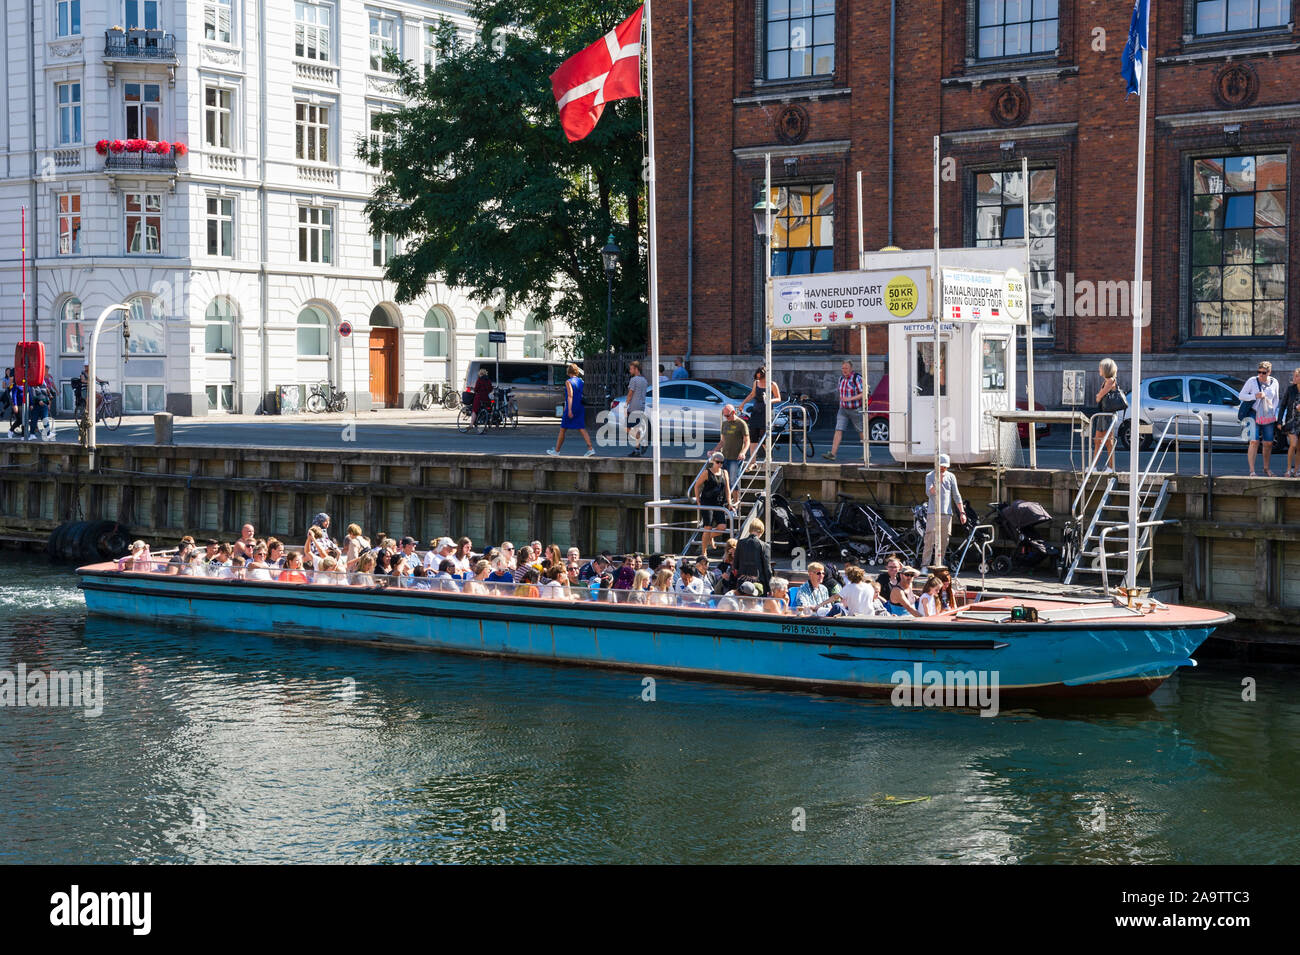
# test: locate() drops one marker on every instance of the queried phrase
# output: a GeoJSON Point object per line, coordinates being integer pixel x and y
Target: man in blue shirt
{"type": "Point", "coordinates": [679, 370]}
{"type": "Point", "coordinates": [813, 597]}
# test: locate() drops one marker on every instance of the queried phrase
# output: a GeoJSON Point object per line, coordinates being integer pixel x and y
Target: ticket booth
{"type": "Point", "coordinates": [976, 375]}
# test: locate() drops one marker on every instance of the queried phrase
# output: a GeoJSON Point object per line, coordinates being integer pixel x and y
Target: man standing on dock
{"type": "Point", "coordinates": [938, 528]}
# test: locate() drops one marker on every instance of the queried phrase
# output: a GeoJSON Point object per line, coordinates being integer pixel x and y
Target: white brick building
{"type": "Point", "coordinates": [241, 257]}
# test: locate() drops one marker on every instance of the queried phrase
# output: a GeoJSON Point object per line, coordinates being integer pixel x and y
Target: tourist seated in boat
{"type": "Point", "coordinates": [812, 597]}
{"type": "Point", "coordinates": [138, 559]}
{"type": "Point", "coordinates": [327, 573]}
{"type": "Point", "coordinates": [596, 567]}
{"type": "Point", "coordinates": [292, 571]}
{"type": "Point", "coordinates": [258, 568]}
{"type": "Point", "coordinates": [354, 545]}
{"type": "Point", "coordinates": [689, 584]}
{"type": "Point", "coordinates": [928, 603]}
{"type": "Point", "coordinates": [779, 600]}
{"type": "Point", "coordinates": [640, 586]}
{"type": "Point", "coordinates": [237, 566]}
{"type": "Point", "coordinates": [704, 574]}
{"type": "Point", "coordinates": [274, 552]}
{"type": "Point", "coordinates": [556, 586]}
{"type": "Point", "coordinates": [314, 548]}
{"type": "Point", "coordinates": [501, 572]}
{"type": "Point", "coordinates": [477, 584]}
{"type": "Point", "coordinates": [179, 563]}
{"type": "Point", "coordinates": [445, 578]}
{"type": "Point", "coordinates": [859, 595]}
{"type": "Point", "coordinates": [527, 586]}
{"type": "Point", "coordinates": [902, 603]}
{"type": "Point", "coordinates": [661, 587]}
{"type": "Point", "coordinates": [197, 565]}
{"type": "Point", "coordinates": [363, 576]}
{"type": "Point", "coordinates": [891, 576]}
{"type": "Point", "coordinates": [573, 562]}
{"type": "Point", "coordinates": [384, 562]}
{"type": "Point", "coordinates": [951, 595]}
{"type": "Point", "coordinates": [626, 573]}
{"type": "Point", "coordinates": [419, 578]}
{"type": "Point", "coordinates": [219, 566]}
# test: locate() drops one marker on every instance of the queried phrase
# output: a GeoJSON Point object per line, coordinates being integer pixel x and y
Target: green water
{"type": "Point", "coordinates": [237, 748]}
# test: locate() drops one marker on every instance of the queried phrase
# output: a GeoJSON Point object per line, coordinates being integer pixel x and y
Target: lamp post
{"type": "Point", "coordinates": [609, 256]}
{"type": "Point", "coordinates": [92, 385]}
{"type": "Point", "coordinates": [763, 211]}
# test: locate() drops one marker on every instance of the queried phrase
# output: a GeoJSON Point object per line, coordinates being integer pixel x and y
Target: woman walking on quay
{"type": "Point", "coordinates": [574, 418]}
{"type": "Point", "coordinates": [759, 413]}
{"type": "Point", "coordinates": [1106, 410]}
{"type": "Point", "coordinates": [1290, 424]}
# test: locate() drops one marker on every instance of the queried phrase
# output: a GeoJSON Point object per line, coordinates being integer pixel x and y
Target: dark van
{"type": "Point", "coordinates": [538, 384]}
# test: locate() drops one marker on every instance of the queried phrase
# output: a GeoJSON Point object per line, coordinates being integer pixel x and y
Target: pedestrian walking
{"type": "Point", "coordinates": [733, 442]}
{"type": "Point", "coordinates": [1289, 422]}
{"type": "Point", "coordinates": [679, 370]}
{"type": "Point", "coordinates": [1263, 391]}
{"type": "Point", "coordinates": [850, 414]}
{"type": "Point", "coordinates": [634, 409]}
{"type": "Point", "coordinates": [941, 497]}
{"type": "Point", "coordinates": [713, 489]}
{"type": "Point", "coordinates": [759, 411]}
{"type": "Point", "coordinates": [574, 418]}
{"type": "Point", "coordinates": [753, 559]}
{"type": "Point", "coordinates": [1107, 407]}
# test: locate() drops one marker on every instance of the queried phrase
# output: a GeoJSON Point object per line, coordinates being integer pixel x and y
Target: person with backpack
{"type": "Point", "coordinates": [1263, 391]}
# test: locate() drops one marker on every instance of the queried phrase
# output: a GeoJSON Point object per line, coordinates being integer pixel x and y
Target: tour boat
{"type": "Point", "coordinates": [1026, 647]}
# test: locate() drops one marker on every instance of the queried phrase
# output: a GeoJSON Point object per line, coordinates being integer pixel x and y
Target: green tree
{"type": "Point", "coordinates": [477, 177]}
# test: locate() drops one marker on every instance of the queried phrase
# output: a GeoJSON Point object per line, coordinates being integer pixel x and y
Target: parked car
{"type": "Point", "coordinates": [878, 415]}
{"type": "Point", "coordinates": [538, 384]}
{"type": "Point", "coordinates": [695, 404]}
{"type": "Point", "coordinates": [1212, 395]}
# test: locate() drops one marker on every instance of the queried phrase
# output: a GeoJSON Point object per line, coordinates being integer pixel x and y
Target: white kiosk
{"type": "Point", "coordinates": [976, 367]}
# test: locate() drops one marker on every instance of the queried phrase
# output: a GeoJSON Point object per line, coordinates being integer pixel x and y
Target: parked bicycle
{"type": "Point", "coordinates": [501, 412]}
{"type": "Point", "coordinates": [434, 394]}
{"type": "Point", "coordinates": [108, 411]}
{"type": "Point", "coordinates": [325, 397]}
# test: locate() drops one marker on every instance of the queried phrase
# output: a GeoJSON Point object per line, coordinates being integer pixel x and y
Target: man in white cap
{"type": "Point", "coordinates": [938, 527]}
{"type": "Point", "coordinates": [439, 550]}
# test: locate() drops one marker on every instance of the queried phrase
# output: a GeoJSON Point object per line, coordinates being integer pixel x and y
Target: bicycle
{"type": "Point", "coordinates": [450, 397]}
{"type": "Point", "coordinates": [501, 412]}
{"type": "Point", "coordinates": [108, 411]}
{"type": "Point", "coordinates": [325, 397]}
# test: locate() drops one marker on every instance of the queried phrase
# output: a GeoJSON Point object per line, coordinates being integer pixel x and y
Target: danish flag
{"type": "Point", "coordinates": [607, 70]}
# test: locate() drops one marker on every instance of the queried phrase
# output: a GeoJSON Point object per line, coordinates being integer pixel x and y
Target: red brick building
{"type": "Point", "coordinates": [809, 81]}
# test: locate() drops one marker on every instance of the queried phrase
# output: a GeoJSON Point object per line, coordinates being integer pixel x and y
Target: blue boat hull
{"type": "Point", "coordinates": [846, 656]}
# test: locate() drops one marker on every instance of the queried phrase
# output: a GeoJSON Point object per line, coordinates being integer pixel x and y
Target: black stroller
{"type": "Point", "coordinates": [788, 530]}
{"type": "Point", "coordinates": [1025, 523]}
{"type": "Point", "coordinates": [828, 538]}
{"type": "Point", "coordinates": [964, 538]}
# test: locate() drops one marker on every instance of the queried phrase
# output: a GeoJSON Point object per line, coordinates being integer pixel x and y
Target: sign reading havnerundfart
{"type": "Point", "coordinates": [849, 298]}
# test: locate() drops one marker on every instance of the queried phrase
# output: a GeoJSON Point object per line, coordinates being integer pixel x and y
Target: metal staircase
{"type": "Point", "coordinates": [681, 515]}
{"type": "Point", "coordinates": [1100, 508]}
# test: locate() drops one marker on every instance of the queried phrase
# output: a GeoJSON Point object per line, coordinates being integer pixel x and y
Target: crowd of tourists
{"type": "Point", "coordinates": [741, 580]}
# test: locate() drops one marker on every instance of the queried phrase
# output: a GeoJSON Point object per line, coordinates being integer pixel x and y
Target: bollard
{"type": "Point", "coordinates": [162, 428]}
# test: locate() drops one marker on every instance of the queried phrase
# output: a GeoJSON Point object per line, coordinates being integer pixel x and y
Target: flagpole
{"type": "Point", "coordinates": [1134, 415]}
{"type": "Point", "coordinates": [934, 519]}
{"type": "Point", "coordinates": [653, 268]}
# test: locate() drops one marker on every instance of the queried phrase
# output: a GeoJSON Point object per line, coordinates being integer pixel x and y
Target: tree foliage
{"type": "Point", "coordinates": [478, 179]}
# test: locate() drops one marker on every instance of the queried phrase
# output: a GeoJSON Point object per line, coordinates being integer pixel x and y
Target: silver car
{"type": "Point", "coordinates": [1214, 396]}
{"type": "Point", "coordinates": [694, 405]}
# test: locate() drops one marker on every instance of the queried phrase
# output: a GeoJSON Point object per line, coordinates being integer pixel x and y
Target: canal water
{"type": "Point", "coordinates": [217, 747]}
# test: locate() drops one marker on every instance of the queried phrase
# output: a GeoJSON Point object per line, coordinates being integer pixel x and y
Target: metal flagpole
{"type": "Point", "coordinates": [27, 385]}
{"type": "Point", "coordinates": [862, 339]}
{"type": "Point", "coordinates": [767, 352]}
{"type": "Point", "coordinates": [653, 277]}
{"type": "Point", "coordinates": [934, 521]}
{"type": "Point", "coordinates": [1029, 323]}
{"type": "Point", "coordinates": [1134, 417]}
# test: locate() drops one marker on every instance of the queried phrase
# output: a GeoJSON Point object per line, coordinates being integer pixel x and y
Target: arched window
{"type": "Point", "coordinates": [485, 323]}
{"type": "Point", "coordinates": [72, 332]}
{"type": "Point", "coordinates": [380, 318]}
{"type": "Point", "coordinates": [313, 333]}
{"type": "Point", "coordinates": [148, 333]}
{"type": "Point", "coordinates": [534, 337]}
{"type": "Point", "coordinates": [435, 334]}
{"type": "Point", "coordinates": [219, 332]}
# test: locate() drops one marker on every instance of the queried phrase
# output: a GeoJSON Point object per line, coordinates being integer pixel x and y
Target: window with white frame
{"type": "Point", "coordinates": [148, 333]}
{"type": "Point", "coordinates": [382, 248]}
{"type": "Point", "coordinates": [218, 113]}
{"type": "Point", "coordinates": [315, 234]}
{"type": "Point", "coordinates": [142, 14]}
{"type": "Point", "coordinates": [69, 223]}
{"type": "Point", "coordinates": [435, 333]}
{"type": "Point", "coordinates": [311, 30]}
{"type": "Point", "coordinates": [312, 132]}
{"type": "Point", "coordinates": [67, 18]}
{"type": "Point", "coordinates": [216, 20]}
{"type": "Point", "coordinates": [313, 333]}
{"type": "Point", "coordinates": [143, 110]}
{"type": "Point", "coordinates": [72, 333]}
{"type": "Point", "coordinates": [799, 38]}
{"type": "Point", "coordinates": [429, 33]}
{"type": "Point", "coordinates": [379, 136]}
{"type": "Point", "coordinates": [483, 325]}
{"type": "Point", "coordinates": [144, 223]}
{"type": "Point", "coordinates": [219, 327]}
{"type": "Point", "coordinates": [1240, 16]}
{"type": "Point", "coordinates": [383, 40]}
{"type": "Point", "coordinates": [1016, 27]}
{"type": "Point", "coordinates": [143, 397]}
{"type": "Point", "coordinates": [221, 226]}
{"type": "Point", "coordinates": [68, 96]}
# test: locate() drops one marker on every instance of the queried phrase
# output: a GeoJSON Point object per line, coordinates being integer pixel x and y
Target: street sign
{"type": "Point", "coordinates": [835, 299]}
{"type": "Point", "coordinates": [345, 329]}
{"type": "Point", "coordinates": [497, 337]}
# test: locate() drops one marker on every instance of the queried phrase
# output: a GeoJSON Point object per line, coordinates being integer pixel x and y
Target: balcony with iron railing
{"type": "Point", "coordinates": [140, 162]}
{"type": "Point", "coordinates": [140, 46]}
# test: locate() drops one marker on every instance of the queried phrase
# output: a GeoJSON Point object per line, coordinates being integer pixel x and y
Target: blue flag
{"type": "Point", "coordinates": [1135, 50]}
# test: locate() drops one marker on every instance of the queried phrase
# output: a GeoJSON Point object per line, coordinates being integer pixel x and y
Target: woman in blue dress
{"type": "Point", "coordinates": [574, 418]}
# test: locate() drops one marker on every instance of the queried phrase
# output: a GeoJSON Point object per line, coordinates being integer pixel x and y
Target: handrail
{"type": "Point", "coordinates": [1101, 545]}
{"type": "Point", "coordinates": [787, 407]}
{"type": "Point", "coordinates": [1083, 497]}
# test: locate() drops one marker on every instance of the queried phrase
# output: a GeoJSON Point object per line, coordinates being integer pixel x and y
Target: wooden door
{"type": "Point", "coordinates": [383, 366]}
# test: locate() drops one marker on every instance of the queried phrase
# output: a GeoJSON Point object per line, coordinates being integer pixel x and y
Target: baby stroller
{"type": "Point", "coordinates": [788, 530]}
{"type": "Point", "coordinates": [827, 537]}
{"type": "Point", "coordinates": [864, 522]}
{"type": "Point", "coordinates": [1025, 523]}
{"type": "Point", "coordinates": [963, 538]}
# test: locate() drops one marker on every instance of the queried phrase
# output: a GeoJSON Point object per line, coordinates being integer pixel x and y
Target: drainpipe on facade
{"type": "Point", "coordinates": [893, 9]}
{"type": "Point", "coordinates": [690, 180]}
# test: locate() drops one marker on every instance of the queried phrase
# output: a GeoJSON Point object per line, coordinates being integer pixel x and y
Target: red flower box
{"type": "Point", "coordinates": [181, 148]}
{"type": "Point", "coordinates": [117, 146]}
{"type": "Point", "coordinates": [162, 147]}
{"type": "Point", "coordinates": [101, 147]}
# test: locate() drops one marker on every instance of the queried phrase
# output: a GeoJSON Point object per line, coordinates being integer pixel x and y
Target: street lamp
{"type": "Point", "coordinates": [764, 210]}
{"type": "Point", "coordinates": [610, 255]}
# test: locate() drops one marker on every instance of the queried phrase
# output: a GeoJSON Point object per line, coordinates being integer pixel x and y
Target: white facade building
{"type": "Point", "coordinates": [242, 257]}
